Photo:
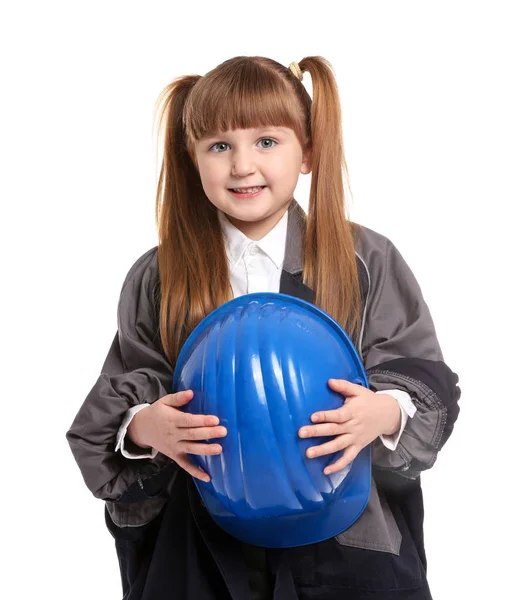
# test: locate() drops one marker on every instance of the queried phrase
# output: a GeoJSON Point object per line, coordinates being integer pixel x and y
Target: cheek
{"type": "Point", "coordinates": [285, 169]}
{"type": "Point", "coordinates": [211, 176]}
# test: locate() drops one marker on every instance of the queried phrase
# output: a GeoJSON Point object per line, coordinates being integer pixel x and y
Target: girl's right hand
{"type": "Point", "coordinates": [175, 433]}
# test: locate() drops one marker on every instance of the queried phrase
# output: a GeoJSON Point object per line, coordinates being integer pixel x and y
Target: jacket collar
{"type": "Point", "coordinates": [291, 279]}
{"type": "Point", "coordinates": [296, 230]}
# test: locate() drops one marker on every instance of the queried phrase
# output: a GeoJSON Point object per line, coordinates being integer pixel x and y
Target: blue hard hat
{"type": "Point", "coordinates": [261, 363]}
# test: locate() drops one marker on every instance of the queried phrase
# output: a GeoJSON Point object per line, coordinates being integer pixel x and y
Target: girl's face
{"type": "Point", "coordinates": [271, 157]}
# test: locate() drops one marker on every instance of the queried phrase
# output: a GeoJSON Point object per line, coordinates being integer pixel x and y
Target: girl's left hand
{"type": "Point", "coordinates": [364, 416]}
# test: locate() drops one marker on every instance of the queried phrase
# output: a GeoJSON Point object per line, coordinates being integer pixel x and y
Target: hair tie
{"type": "Point", "coordinates": [295, 69]}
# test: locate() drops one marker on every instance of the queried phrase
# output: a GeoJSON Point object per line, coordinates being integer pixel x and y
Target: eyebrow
{"type": "Point", "coordinates": [256, 130]}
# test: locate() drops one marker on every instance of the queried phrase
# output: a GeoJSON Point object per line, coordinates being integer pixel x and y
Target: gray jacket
{"type": "Point", "coordinates": [397, 344]}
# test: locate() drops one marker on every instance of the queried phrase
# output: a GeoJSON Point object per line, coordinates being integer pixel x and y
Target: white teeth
{"type": "Point", "coordinates": [247, 190]}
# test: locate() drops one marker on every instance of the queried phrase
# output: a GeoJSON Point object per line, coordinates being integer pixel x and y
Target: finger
{"type": "Point", "coordinates": [350, 453]}
{"type": "Point", "coordinates": [324, 429]}
{"type": "Point", "coordinates": [203, 433]}
{"type": "Point", "coordinates": [341, 442]}
{"type": "Point", "coordinates": [178, 399]}
{"type": "Point", "coordinates": [182, 419]}
{"type": "Point", "coordinates": [200, 448]}
{"type": "Point", "coordinates": [339, 415]}
{"type": "Point", "coordinates": [192, 469]}
{"type": "Point", "coordinates": [345, 387]}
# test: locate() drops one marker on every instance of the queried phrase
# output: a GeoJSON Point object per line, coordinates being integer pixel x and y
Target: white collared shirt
{"type": "Point", "coordinates": [256, 266]}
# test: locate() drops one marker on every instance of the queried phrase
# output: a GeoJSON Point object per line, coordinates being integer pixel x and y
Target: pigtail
{"type": "Point", "coordinates": [192, 261]}
{"type": "Point", "coordinates": [330, 264]}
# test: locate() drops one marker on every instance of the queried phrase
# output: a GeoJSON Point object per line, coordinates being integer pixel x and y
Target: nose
{"type": "Point", "coordinates": [242, 163]}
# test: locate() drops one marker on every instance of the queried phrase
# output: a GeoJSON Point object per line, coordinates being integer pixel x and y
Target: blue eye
{"type": "Point", "coordinates": [226, 144]}
{"type": "Point", "coordinates": [268, 140]}
{"type": "Point", "coordinates": [218, 144]}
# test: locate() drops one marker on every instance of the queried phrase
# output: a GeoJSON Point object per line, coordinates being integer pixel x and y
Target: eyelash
{"type": "Point", "coordinates": [216, 144]}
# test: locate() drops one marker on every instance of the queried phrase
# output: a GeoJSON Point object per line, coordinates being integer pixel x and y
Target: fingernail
{"type": "Point", "coordinates": [311, 452]}
{"type": "Point", "coordinates": [303, 433]}
{"type": "Point", "coordinates": [314, 418]}
{"type": "Point", "coordinates": [327, 471]}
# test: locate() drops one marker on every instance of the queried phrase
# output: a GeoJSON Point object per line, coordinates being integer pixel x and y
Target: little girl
{"type": "Point", "coordinates": [235, 143]}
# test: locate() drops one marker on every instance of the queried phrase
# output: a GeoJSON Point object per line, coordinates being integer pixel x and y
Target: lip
{"type": "Point", "coordinates": [247, 195]}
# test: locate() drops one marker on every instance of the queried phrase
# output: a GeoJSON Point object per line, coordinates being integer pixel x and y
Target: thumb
{"type": "Point", "coordinates": [178, 399]}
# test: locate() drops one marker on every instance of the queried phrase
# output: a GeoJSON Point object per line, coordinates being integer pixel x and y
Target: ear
{"type": "Point", "coordinates": [305, 168]}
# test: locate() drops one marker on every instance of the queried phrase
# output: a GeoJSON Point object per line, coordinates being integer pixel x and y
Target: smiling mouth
{"type": "Point", "coordinates": [247, 190]}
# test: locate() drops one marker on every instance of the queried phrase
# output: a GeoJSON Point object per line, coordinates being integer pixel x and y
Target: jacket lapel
{"type": "Point", "coordinates": [291, 282]}
{"type": "Point", "coordinates": [291, 279]}
{"type": "Point", "coordinates": [292, 286]}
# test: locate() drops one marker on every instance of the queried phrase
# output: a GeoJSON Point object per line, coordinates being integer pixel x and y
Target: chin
{"type": "Point", "coordinates": [249, 209]}
{"type": "Point", "coordinates": [250, 215]}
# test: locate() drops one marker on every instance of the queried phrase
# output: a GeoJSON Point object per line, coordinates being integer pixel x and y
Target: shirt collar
{"type": "Point", "coordinates": [273, 243]}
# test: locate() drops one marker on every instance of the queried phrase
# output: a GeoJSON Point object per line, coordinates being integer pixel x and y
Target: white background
{"type": "Point", "coordinates": [432, 102]}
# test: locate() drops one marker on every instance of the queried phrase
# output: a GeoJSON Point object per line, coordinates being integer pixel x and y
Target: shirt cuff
{"type": "Point", "coordinates": [122, 433]}
{"type": "Point", "coordinates": [407, 408]}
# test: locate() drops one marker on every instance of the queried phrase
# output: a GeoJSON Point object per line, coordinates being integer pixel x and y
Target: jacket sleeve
{"type": "Point", "coordinates": [401, 351]}
{"type": "Point", "coordinates": [134, 372]}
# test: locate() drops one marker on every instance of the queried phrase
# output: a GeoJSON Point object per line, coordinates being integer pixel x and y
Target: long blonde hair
{"type": "Point", "coordinates": [247, 92]}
